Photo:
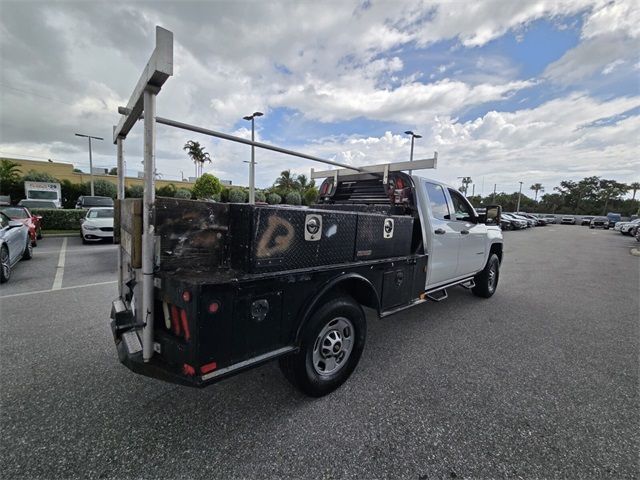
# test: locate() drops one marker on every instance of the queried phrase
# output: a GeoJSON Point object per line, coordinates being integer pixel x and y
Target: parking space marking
{"type": "Point", "coordinates": [57, 281]}
{"type": "Point", "coordinates": [38, 292]}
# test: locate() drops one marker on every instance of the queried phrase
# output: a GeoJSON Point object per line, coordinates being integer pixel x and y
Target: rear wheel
{"type": "Point", "coordinates": [39, 233]}
{"type": "Point", "coordinates": [487, 280]}
{"type": "Point", "coordinates": [28, 250]}
{"type": "Point", "coordinates": [5, 264]}
{"type": "Point", "coordinates": [332, 343]}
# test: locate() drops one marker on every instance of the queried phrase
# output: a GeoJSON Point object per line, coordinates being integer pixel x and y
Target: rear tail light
{"type": "Point", "coordinates": [186, 296]}
{"type": "Point", "coordinates": [214, 307]}
{"type": "Point", "coordinates": [188, 370]}
{"type": "Point", "coordinates": [185, 324]}
{"type": "Point", "coordinates": [208, 367]}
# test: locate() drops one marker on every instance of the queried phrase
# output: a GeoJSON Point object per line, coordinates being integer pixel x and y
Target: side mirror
{"type": "Point", "coordinates": [492, 215]}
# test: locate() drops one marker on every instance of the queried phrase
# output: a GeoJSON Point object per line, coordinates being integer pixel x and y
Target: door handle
{"type": "Point", "coordinates": [439, 231]}
{"type": "Point", "coordinates": [464, 232]}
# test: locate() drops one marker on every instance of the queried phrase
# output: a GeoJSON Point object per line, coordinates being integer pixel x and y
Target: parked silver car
{"type": "Point", "coordinates": [15, 245]}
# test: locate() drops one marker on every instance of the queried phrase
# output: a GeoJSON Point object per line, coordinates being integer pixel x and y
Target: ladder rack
{"type": "Point", "coordinates": [383, 168]}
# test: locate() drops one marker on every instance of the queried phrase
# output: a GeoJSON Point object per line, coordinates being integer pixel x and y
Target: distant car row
{"type": "Point", "coordinates": [20, 231]}
{"type": "Point", "coordinates": [84, 202]}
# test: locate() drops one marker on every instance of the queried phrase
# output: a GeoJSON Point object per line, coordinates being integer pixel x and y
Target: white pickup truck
{"type": "Point", "coordinates": [236, 285]}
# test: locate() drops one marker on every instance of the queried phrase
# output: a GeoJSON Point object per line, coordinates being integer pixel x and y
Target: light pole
{"type": "Point", "coordinates": [252, 165]}
{"type": "Point", "coordinates": [90, 157]}
{"type": "Point", "coordinates": [519, 194]}
{"type": "Point", "coordinates": [413, 137]}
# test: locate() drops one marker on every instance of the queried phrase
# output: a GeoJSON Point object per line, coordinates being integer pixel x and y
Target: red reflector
{"type": "Point", "coordinates": [185, 324]}
{"type": "Point", "coordinates": [188, 370]}
{"type": "Point", "coordinates": [186, 296]}
{"type": "Point", "coordinates": [209, 367]}
{"type": "Point", "coordinates": [214, 307]}
{"type": "Point", "coordinates": [175, 320]}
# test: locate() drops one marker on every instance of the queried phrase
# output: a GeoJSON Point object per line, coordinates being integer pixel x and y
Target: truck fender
{"type": "Point", "coordinates": [359, 287]}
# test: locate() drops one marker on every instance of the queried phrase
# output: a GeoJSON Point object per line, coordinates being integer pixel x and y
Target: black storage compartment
{"type": "Point", "coordinates": [266, 239]}
{"type": "Point", "coordinates": [396, 286]}
{"type": "Point", "coordinates": [382, 236]}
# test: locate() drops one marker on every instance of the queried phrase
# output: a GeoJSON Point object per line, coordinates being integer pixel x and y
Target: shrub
{"type": "Point", "coordinates": [311, 196]}
{"type": "Point", "coordinates": [34, 176]}
{"type": "Point", "coordinates": [293, 198]}
{"type": "Point", "coordinates": [273, 199]}
{"type": "Point", "coordinates": [167, 191]}
{"type": "Point", "coordinates": [134, 191]}
{"type": "Point", "coordinates": [60, 219]}
{"type": "Point", "coordinates": [206, 186]}
{"type": "Point", "coordinates": [183, 193]}
{"type": "Point", "coordinates": [103, 188]}
{"type": "Point", "coordinates": [237, 196]}
{"type": "Point", "coordinates": [224, 194]}
{"type": "Point", "coordinates": [260, 197]}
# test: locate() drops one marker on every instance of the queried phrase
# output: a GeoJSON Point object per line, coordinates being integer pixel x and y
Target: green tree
{"type": "Point", "coordinates": [9, 174]}
{"type": "Point", "coordinates": [260, 197]}
{"type": "Point", "coordinates": [536, 187]}
{"type": "Point", "coordinates": [113, 171]}
{"type": "Point", "coordinates": [466, 181]}
{"type": "Point", "coordinates": [634, 187]}
{"type": "Point", "coordinates": [197, 154]}
{"type": "Point", "coordinates": [206, 186]}
{"type": "Point", "coordinates": [103, 188]}
{"type": "Point", "coordinates": [286, 182]}
{"type": "Point", "coordinates": [610, 190]}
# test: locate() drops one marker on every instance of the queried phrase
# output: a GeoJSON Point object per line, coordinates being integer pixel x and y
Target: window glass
{"type": "Point", "coordinates": [4, 220]}
{"type": "Point", "coordinates": [461, 207]}
{"type": "Point", "coordinates": [438, 201]}
{"type": "Point", "coordinates": [14, 212]}
{"type": "Point", "coordinates": [102, 213]}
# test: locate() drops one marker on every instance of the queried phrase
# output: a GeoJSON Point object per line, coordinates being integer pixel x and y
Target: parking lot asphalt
{"type": "Point", "coordinates": [540, 381]}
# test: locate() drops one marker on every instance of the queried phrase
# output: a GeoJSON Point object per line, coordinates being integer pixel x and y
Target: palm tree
{"type": "Point", "coordinates": [537, 187]}
{"type": "Point", "coordinates": [465, 184]}
{"type": "Point", "coordinates": [197, 154]}
{"type": "Point", "coordinates": [9, 172]}
{"type": "Point", "coordinates": [287, 181]}
{"type": "Point", "coordinates": [635, 186]}
{"type": "Point", "coordinates": [304, 183]}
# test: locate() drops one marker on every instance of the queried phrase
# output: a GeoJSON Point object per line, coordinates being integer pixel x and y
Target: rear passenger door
{"type": "Point", "coordinates": [472, 235]}
{"type": "Point", "coordinates": [444, 239]}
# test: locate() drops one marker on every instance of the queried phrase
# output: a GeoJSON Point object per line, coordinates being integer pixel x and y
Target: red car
{"type": "Point", "coordinates": [22, 214]}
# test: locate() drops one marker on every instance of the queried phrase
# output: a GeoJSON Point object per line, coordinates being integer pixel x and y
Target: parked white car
{"type": "Point", "coordinates": [97, 225]}
{"type": "Point", "coordinates": [628, 228]}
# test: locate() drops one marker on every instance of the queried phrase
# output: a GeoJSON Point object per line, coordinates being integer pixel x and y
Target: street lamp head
{"type": "Point", "coordinates": [248, 117]}
{"type": "Point", "coordinates": [409, 132]}
{"type": "Point", "coordinates": [258, 114]}
{"type": "Point", "coordinates": [80, 135]}
{"type": "Point", "coordinates": [417, 136]}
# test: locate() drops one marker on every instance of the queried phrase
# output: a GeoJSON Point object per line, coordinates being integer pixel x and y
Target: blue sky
{"type": "Point", "coordinates": [535, 91]}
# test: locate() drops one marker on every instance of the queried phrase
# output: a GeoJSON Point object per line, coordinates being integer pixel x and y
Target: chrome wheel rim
{"type": "Point", "coordinates": [333, 346]}
{"type": "Point", "coordinates": [4, 262]}
{"type": "Point", "coordinates": [493, 278]}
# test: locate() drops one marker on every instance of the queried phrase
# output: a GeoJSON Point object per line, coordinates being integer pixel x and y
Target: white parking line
{"type": "Point", "coordinates": [38, 292]}
{"type": "Point", "coordinates": [57, 281]}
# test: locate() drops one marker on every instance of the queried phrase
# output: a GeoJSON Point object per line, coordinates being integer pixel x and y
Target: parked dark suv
{"type": "Point", "coordinates": [599, 222]}
{"type": "Point", "coordinates": [614, 218]}
{"type": "Point", "coordinates": [85, 202]}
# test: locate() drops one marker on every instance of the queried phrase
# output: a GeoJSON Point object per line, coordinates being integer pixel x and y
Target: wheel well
{"type": "Point", "coordinates": [356, 286]}
{"type": "Point", "coordinates": [497, 249]}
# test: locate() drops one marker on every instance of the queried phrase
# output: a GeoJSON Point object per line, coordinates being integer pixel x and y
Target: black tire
{"type": "Point", "coordinates": [591, 226]}
{"type": "Point", "coordinates": [336, 320]}
{"type": "Point", "coordinates": [84, 240]}
{"type": "Point", "coordinates": [487, 280]}
{"type": "Point", "coordinates": [28, 250]}
{"type": "Point", "coordinates": [5, 265]}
